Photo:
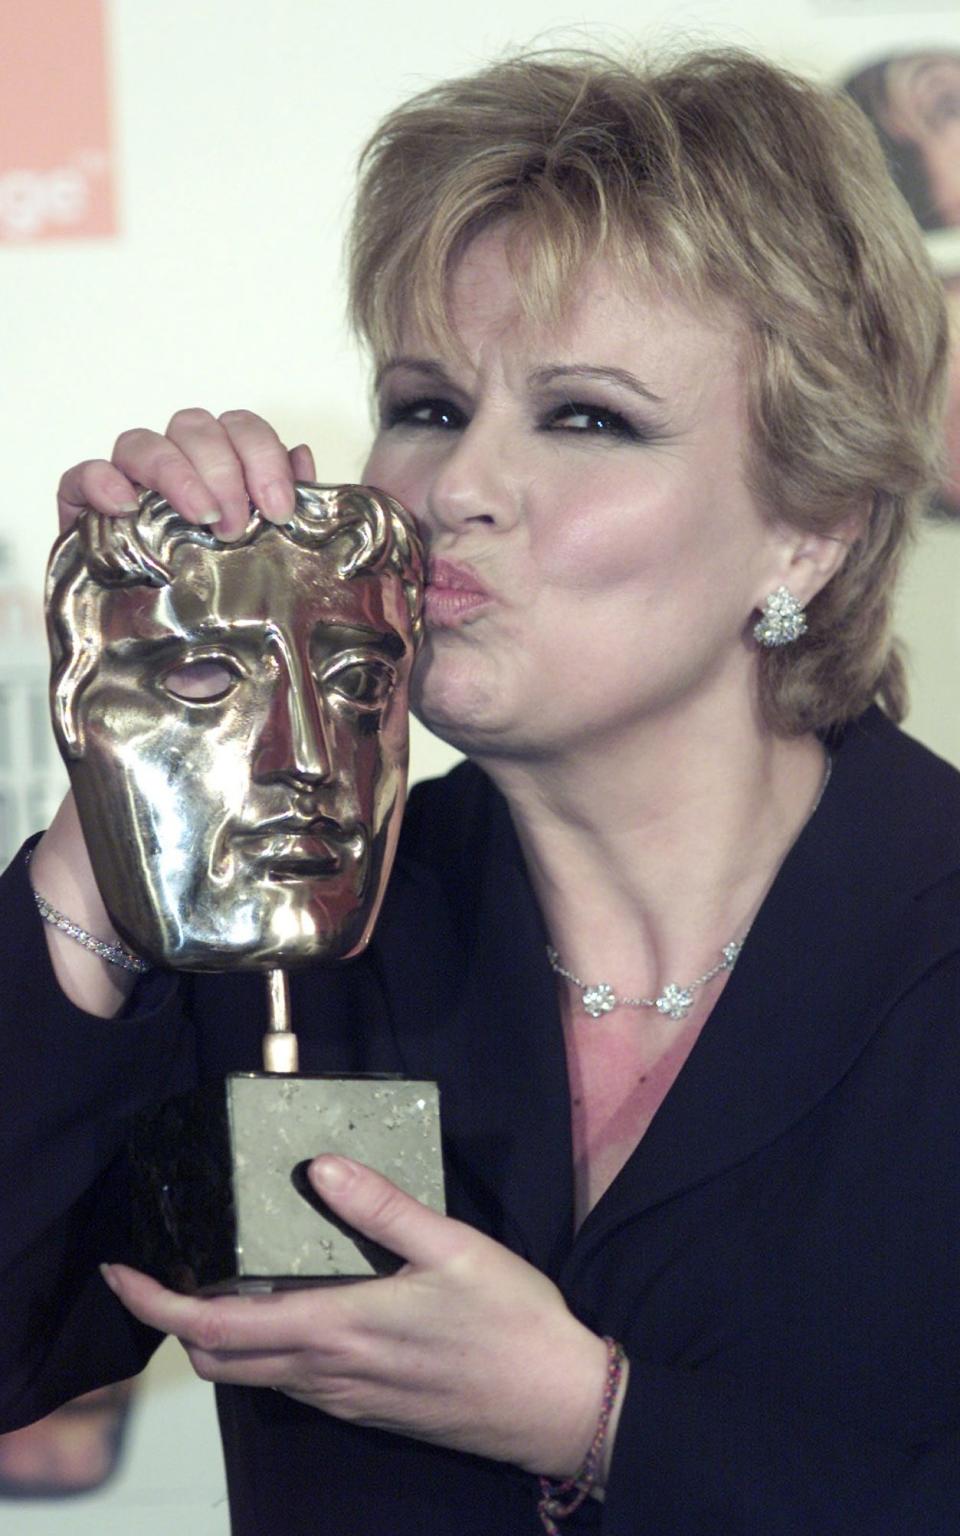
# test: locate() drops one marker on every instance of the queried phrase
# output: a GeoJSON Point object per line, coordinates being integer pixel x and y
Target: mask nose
{"type": "Point", "coordinates": [295, 742]}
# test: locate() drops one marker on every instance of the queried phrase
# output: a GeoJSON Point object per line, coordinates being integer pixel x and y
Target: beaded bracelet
{"type": "Point", "coordinates": [576, 1489]}
{"type": "Point", "coordinates": [115, 954]}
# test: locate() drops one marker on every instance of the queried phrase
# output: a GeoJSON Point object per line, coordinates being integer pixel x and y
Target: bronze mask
{"type": "Point", "coordinates": [233, 717]}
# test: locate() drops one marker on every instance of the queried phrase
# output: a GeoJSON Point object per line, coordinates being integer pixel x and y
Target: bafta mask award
{"type": "Point", "coordinates": [233, 717]}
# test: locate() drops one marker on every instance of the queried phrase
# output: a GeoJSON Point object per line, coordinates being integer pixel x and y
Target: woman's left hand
{"type": "Point", "coordinates": [466, 1346]}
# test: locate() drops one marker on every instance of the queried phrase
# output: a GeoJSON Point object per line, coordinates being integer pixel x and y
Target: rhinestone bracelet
{"type": "Point", "coordinates": [115, 954]}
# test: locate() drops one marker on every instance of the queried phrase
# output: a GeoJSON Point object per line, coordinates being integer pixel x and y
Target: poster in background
{"type": "Point", "coordinates": [56, 154]}
{"type": "Point", "coordinates": [912, 97]}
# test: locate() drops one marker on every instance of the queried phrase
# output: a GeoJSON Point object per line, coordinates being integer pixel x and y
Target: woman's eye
{"type": "Point", "coordinates": [575, 416]}
{"type": "Point", "coordinates": [205, 679]}
{"type": "Point", "coordinates": [423, 412]}
{"type": "Point", "coordinates": [944, 107]}
{"type": "Point", "coordinates": [366, 685]}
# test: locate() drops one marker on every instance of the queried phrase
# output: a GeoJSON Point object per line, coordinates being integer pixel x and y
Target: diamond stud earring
{"type": "Point", "coordinates": [783, 619]}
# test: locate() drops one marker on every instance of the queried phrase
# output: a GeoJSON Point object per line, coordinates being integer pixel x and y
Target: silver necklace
{"type": "Point", "coordinates": [598, 997]}
{"type": "Point", "coordinates": [675, 1001]}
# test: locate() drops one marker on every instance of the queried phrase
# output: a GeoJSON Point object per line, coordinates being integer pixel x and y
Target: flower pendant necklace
{"type": "Point", "coordinates": [675, 1002]}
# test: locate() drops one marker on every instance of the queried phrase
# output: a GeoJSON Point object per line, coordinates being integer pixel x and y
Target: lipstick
{"type": "Point", "coordinates": [454, 594]}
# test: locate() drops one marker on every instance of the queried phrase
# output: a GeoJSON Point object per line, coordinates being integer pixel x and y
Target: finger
{"type": "Point", "coordinates": [302, 463]}
{"type": "Point", "coordinates": [95, 483]}
{"type": "Point", "coordinates": [148, 458]}
{"type": "Point", "coordinates": [380, 1210]}
{"type": "Point", "coordinates": [248, 1368]}
{"type": "Point", "coordinates": [264, 461]}
{"type": "Point", "coordinates": [288, 1320]}
{"type": "Point", "coordinates": [292, 1374]}
{"type": "Point", "coordinates": [205, 442]}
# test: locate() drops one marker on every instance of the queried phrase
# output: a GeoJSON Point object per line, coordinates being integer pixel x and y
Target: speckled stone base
{"type": "Point", "coordinates": [221, 1196]}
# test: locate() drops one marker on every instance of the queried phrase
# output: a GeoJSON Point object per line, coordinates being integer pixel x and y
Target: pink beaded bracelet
{"type": "Point", "coordinates": [558, 1500]}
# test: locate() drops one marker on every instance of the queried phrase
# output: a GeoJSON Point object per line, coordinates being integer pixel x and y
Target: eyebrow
{"type": "Point", "coordinates": [332, 632]}
{"type": "Point", "coordinates": [539, 378]}
{"type": "Point", "coordinates": [553, 371]}
{"type": "Point", "coordinates": [427, 365]}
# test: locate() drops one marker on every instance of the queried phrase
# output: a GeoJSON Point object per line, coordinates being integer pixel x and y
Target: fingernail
{"type": "Point", "coordinates": [110, 1278]}
{"type": "Point", "coordinates": [305, 455]}
{"type": "Point", "coordinates": [207, 517]}
{"type": "Point", "coordinates": [276, 503]}
{"type": "Point", "coordinates": [126, 506]}
{"type": "Point", "coordinates": [231, 535]}
{"type": "Point", "coordinates": [333, 1173]}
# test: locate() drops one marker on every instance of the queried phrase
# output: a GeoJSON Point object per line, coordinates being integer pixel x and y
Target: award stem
{"type": "Point", "coordinates": [279, 1043]}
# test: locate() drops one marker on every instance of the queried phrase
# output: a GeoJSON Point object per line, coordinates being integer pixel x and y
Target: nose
{"type": "Point", "coordinates": [943, 173]}
{"type": "Point", "coordinates": [473, 484]}
{"type": "Point", "coordinates": [295, 740]}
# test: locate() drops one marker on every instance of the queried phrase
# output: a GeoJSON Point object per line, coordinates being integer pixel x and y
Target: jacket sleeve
{"type": "Point", "coordinates": [70, 1084]}
{"type": "Point", "coordinates": [742, 1446]}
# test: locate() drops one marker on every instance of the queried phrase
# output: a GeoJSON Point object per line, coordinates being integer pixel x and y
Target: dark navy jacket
{"type": "Point", "coordinates": [780, 1256]}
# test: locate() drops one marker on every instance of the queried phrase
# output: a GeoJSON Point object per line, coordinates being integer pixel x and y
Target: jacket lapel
{"type": "Point", "coordinates": [483, 1021]}
{"type": "Point", "coordinates": [514, 1045]}
{"type": "Point", "coordinates": [843, 931]}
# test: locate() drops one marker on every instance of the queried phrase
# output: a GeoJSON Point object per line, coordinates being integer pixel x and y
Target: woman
{"type": "Point", "coordinates": [659, 366]}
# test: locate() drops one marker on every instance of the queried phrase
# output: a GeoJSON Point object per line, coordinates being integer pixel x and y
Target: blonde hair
{"type": "Point", "coordinates": [724, 176]}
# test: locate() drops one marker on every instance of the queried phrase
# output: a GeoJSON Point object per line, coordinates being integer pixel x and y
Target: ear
{"type": "Point", "coordinates": [72, 625]}
{"type": "Point", "coordinates": [808, 561]}
{"type": "Point", "coordinates": [67, 729]}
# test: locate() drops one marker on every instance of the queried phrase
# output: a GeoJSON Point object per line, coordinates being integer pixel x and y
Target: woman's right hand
{"type": "Point", "coordinates": [209, 468]}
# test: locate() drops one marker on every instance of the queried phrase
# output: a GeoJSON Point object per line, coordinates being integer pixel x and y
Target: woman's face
{"type": "Point", "coordinates": [923, 107]}
{"type": "Point", "coordinates": [595, 552]}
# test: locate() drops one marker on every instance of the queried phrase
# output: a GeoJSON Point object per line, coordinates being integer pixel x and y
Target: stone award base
{"type": "Point", "coordinates": [221, 1197]}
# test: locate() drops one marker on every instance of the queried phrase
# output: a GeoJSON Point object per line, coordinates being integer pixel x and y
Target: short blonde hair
{"type": "Point", "coordinates": [723, 175]}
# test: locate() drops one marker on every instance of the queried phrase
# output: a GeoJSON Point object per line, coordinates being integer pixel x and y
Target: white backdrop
{"type": "Point", "coordinates": [237, 125]}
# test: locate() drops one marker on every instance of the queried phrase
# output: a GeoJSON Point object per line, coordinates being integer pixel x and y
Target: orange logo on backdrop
{"type": "Point", "coordinates": [56, 177]}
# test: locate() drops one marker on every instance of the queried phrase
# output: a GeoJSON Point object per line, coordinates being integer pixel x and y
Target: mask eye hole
{"type": "Point", "coordinates": [206, 679]}
{"type": "Point", "coordinates": [366, 683]}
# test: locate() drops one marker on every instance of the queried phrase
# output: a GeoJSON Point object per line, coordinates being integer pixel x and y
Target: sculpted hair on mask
{"type": "Point", "coordinates": [372, 531]}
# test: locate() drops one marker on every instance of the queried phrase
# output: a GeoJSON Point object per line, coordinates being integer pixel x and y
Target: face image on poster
{"type": "Point", "coordinates": [913, 101]}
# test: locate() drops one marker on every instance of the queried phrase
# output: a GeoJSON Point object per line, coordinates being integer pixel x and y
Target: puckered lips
{"type": "Point", "coordinates": [454, 594]}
